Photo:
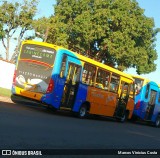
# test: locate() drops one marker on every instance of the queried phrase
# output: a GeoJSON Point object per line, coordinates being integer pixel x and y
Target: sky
{"type": "Point", "coordinates": [151, 7]}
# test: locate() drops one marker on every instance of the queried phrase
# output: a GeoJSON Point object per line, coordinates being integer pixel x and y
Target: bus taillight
{"type": "Point", "coordinates": [14, 78]}
{"type": "Point", "coordinates": [50, 86]}
{"type": "Point", "coordinates": [138, 105]}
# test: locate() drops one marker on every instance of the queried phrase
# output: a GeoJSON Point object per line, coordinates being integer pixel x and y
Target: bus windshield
{"type": "Point", "coordinates": [35, 67]}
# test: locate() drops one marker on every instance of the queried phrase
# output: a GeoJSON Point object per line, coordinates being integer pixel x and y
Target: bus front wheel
{"type": "Point", "coordinates": [82, 111]}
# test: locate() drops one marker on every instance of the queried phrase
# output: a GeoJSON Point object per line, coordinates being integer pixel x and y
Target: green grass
{"type": "Point", "coordinates": [5, 92]}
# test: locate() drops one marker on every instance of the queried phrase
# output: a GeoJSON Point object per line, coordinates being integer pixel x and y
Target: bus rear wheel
{"type": "Point", "coordinates": [124, 117]}
{"type": "Point", "coordinates": [82, 111]}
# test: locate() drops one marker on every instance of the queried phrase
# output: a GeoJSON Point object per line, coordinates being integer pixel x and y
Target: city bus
{"type": "Point", "coordinates": [147, 101]}
{"type": "Point", "coordinates": [63, 79]}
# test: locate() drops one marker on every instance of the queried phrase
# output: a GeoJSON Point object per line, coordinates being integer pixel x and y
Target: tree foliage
{"type": "Point", "coordinates": [16, 18]}
{"type": "Point", "coordinates": [41, 27]}
{"type": "Point", "coordinates": [115, 31]}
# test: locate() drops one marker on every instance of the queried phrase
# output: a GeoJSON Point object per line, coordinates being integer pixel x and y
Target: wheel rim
{"type": "Point", "coordinates": [123, 118]}
{"type": "Point", "coordinates": [82, 112]}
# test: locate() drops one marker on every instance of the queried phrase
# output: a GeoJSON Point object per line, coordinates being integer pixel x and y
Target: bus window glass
{"type": "Point", "coordinates": [124, 87]}
{"type": "Point", "coordinates": [63, 67]}
{"type": "Point", "coordinates": [88, 76]}
{"type": "Point", "coordinates": [70, 72]}
{"type": "Point", "coordinates": [102, 80]}
{"type": "Point", "coordinates": [35, 67]}
{"type": "Point", "coordinates": [114, 83]}
{"type": "Point", "coordinates": [38, 53]}
{"type": "Point", "coordinates": [147, 91]}
{"type": "Point", "coordinates": [138, 85]}
{"type": "Point", "coordinates": [77, 74]}
{"type": "Point", "coordinates": [73, 73]}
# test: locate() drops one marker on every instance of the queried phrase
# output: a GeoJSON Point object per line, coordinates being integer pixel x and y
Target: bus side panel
{"type": "Point", "coordinates": [28, 94]}
{"type": "Point", "coordinates": [142, 109]}
{"type": "Point", "coordinates": [140, 104]}
{"type": "Point", "coordinates": [54, 98]}
{"type": "Point", "coordinates": [156, 112]}
{"type": "Point", "coordinates": [80, 97]}
{"type": "Point", "coordinates": [102, 102]}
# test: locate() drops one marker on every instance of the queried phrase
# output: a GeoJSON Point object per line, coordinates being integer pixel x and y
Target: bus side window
{"type": "Point", "coordinates": [114, 83]}
{"type": "Point", "coordinates": [102, 79]}
{"type": "Point", "coordinates": [88, 75]}
{"type": "Point", "coordinates": [138, 85]}
{"type": "Point", "coordinates": [63, 67]}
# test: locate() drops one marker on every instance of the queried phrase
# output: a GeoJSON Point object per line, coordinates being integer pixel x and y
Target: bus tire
{"type": "Point", "coordinates": [14, 99]}
{"type": "Point", "coordinates": [124, 117]}
{"type": "Point", "coordinates": [157, 122]}
{"type": "Point", "coordinates": [83, 111]}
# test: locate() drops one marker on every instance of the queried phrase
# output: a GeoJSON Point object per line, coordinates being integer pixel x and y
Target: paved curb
{"type": "Point", "coordinates": [5, 99]}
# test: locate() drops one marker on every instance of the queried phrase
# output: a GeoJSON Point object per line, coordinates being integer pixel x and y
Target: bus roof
{"type": "Point", "coordinates": [42, 43]}
{"type": "Point", "coordinates": [101, 65]}
{"type": "Point", "coordinates": [140, 77]}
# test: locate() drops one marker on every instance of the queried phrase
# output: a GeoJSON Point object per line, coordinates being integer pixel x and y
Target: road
{"type": "Point", "coordinates": [26, 125]}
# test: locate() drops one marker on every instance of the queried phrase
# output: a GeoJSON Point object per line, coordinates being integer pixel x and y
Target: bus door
{"type": "Point", "coordinates": [71, 85]}
{"type": "Point", "coordinates": [123, 99]}
{"type": "Point", "coordinates": [151, 104]}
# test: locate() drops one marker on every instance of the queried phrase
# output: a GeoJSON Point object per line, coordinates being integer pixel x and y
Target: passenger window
{"type": "Point", "coordinates": [88, 75]}
{"type": "Point", "coordinates": [138, 85]}
{"type": "Point", "coordinates": [102, 79]}
{"type": "Point", "coordinates": [114, 83]}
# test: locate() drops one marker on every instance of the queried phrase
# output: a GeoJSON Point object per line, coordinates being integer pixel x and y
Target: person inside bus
{"type": "Point", "coordinates": [84, 76]}
{"type": "Point", "coordinates": [137, 87]}
{"type": "Point", "coordinates": [113, 87]}
{"type": "Point", "coordinates": [106, 85]}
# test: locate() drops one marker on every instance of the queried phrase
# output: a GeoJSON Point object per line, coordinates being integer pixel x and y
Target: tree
{"type": "Point", "coordinates": [41, 27]}
{"type": "Point", "coordinates": [115, 31]}
{"type": "Point", "coordinates": [16, 18]}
